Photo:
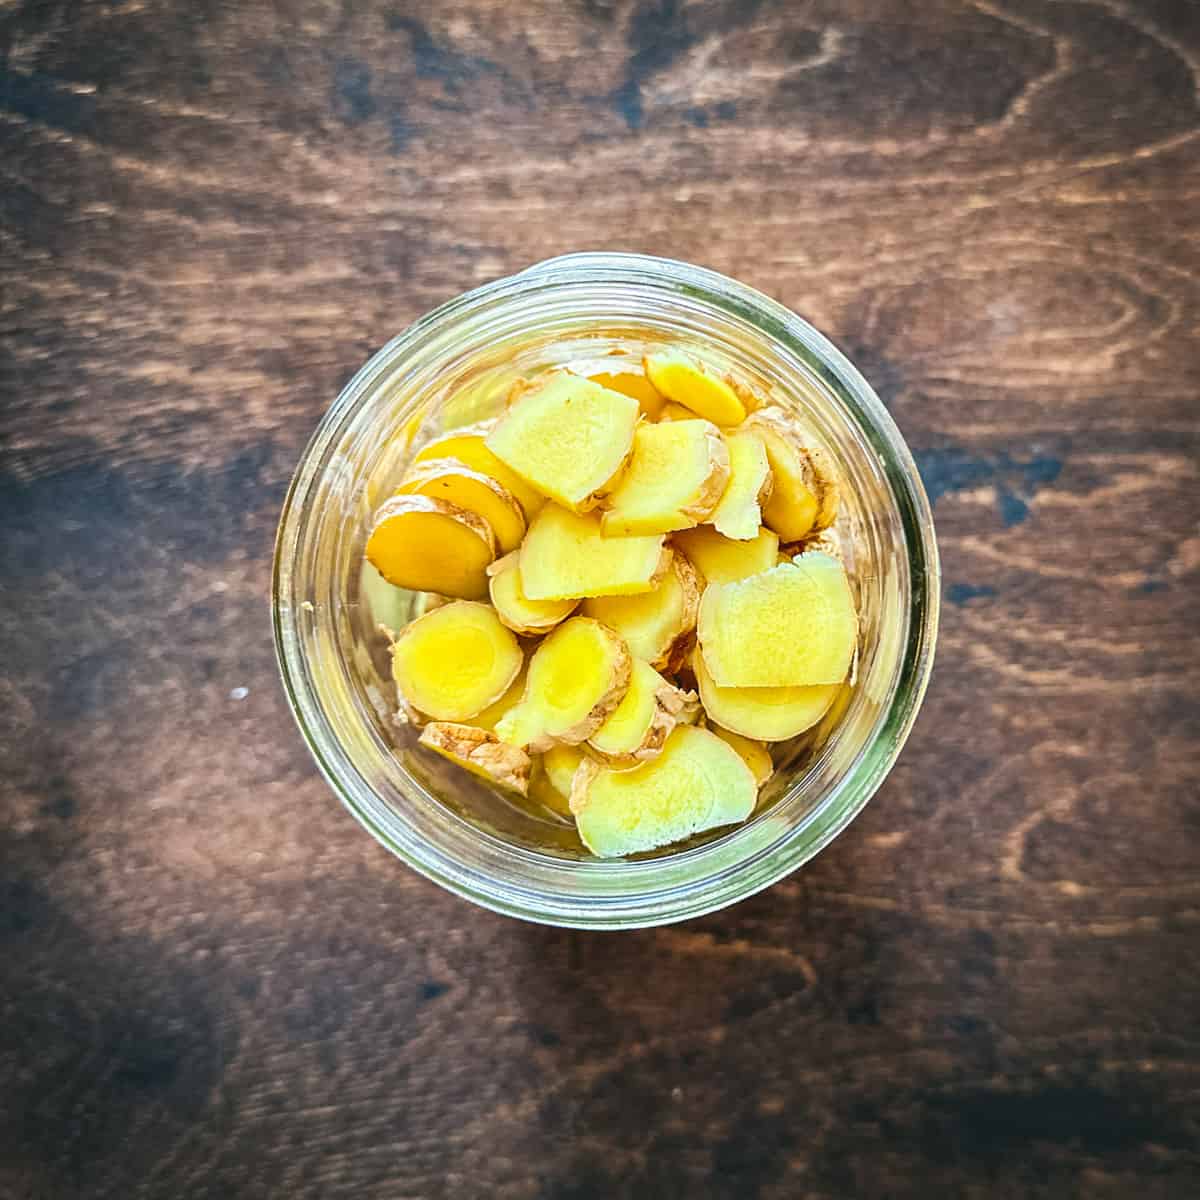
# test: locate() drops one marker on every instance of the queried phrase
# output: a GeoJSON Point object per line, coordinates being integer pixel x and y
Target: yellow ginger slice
{"type": "Point", "coordinates": [654, 622]}
{"type": "Point", "coordinates": [514, 608]}
{"type": "Point", "coordinates": [804, 490]}
{"type": "Point", "coordinates": [429, 545]}
{"type": "Point", "coordinates": [681, 378]}
{"type": "Point", "coordinates": [650, 399]}
{"type": "Point", "coordinates": [723, 560]}
{"type": "Point", "coordinates": [697, 783]}
{"type": "Point", "coordinates": [450, 480]}
{"type": "Point", "coordinates": [469, 446]}
{"type": "Point", "coordinates": [766, 714]}
{"type": "Point", "coordinates": [791, 626]}
{"type": "Point", "coordinates": [754, 753]}
{"type": "Point", "coordinates": [577, 676]}
{"type": "Point", "coordinates": [480, 752]}
{"type": "Point", "coordinates": [677, 474]}
{"type": "Point", "coordinates": [560, 764]}
{"type": "Point", "coordinates": [570, 438]}
{"type": "Point", "coordinates": [565, 556]}
{"type": "Point", "coordinates": [639, 725]}
{"type": "Point", "coordinates": [738, 514]}
{"type": "Point", "coordinates": [490, 717]}
{"type": "Point", "coordinates": [542, 791]}
{"type": "Point", "coordinates": [453, 662]}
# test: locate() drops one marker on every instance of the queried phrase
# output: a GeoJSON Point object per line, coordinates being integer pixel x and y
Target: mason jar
{"type": "Point", "coordinates": [452, 368]}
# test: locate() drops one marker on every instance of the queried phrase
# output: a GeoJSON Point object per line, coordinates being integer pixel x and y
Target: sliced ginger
{"type": "Point", "coordinates": [791, 626]}
{"type": "Point", "coordinates": [637, 728]}
{"type": "Point", "coordinates": [560, 764]}
{"type": "Point", "coordinates": [754, 753]}
{"type": "Point", "coordinates": [490, 717]}
{"type": "Point", "coordinates": [697, 783]}
{"type": "Point", "coordinates": [576, 678]}
{"type": "Point", "coordinates": [565, 556]}
{"type": "Point", "coordinates": [766, 714]}
{"type": "Point", "coordinates": [804, 491]}
{"type": "Point", "coordinates": [677, 474]}
{"type": "Point", "coordinates": [681, 378]}
{"type": "Point", "coordinates": [723, 560]}
{"type": "Point", "coordinates": [568, 437]}
{"type": "Point", "coordinates": [738, 514]}
{"type": "Point", "coordinates": [430, 545]}
{"type": "Point", "coordinates": [514, 608]}
{"type": "Point", "coordinates": [469, 446]}
{"type": "Point", "coordinates": [654, 622]}
{"type": "Point", "coordinates": [449, 479]}
{"type": "Point", "coordinates": [650, 399]}
{"type": "Point", "coordinates": [453, 662]}
{"type": "Point", "coordinates": [480, 752]}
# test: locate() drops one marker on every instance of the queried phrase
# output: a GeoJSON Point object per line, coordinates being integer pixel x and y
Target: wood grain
{"type": "Point", "coordinates": [212, 983]}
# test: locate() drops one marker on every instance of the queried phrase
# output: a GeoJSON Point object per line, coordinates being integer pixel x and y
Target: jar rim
{"type": "Point", "coordinates": [667, 892]}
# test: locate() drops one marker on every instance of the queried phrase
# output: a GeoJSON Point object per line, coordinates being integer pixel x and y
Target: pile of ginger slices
{"type": "Point", "coordinates": [637, 586]}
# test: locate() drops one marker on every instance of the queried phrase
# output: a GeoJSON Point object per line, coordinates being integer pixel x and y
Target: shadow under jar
{"type": "Point", "coordinates": [452, 368]}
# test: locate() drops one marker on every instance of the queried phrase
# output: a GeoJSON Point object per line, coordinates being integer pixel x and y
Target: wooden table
{"type": "Point", "coordinates": [214, 984]}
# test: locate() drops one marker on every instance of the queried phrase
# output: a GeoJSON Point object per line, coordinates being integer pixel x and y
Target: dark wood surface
{"type": "Point", "coordinates": [214, 984]}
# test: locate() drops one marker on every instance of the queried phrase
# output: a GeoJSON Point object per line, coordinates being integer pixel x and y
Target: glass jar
{"type": "Point", "coordinates": [451, 368]}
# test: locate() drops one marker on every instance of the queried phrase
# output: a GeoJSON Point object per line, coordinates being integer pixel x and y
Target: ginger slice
{"type": "Point", "coordinates": [565, 556]}
{"type": "Point", "coordinates": [480, 752]}
{"type": "Point", "coordinates": [637, 728]}
{"type": "Point", "coordinates": [804, 493]}
{"type": "Point", "coordinates": [791, 626]}
{"type": "Point", "coordinates": [654, 622]}
{"type": "Point", "coordinates": [677, 474]}
{"type": "Point", "coordinates": [738, 514]}
{"type": "Point", "coordinates": [650, 399]}
{"type": "Point", "coordinates": [453, 481]}
{"type": "Point", "coordinates": [469, 446]}
{"type": "Point", "coordinates": [453, 662]}
{"type": "Point", "coordinates": [723, 560]}
{"type": "Point", "coordinates": [560, 764]}
{"type": "Point", "coordinates": [754, 753]}
{"type": "Point", "coordinates": [429, 545]}
{"type": "Point", "coordinates": [696, 783]}
{"type": "Point", "coordinates": [568, 437]}
{"type": "Point", "coordinates": [577, 676]}
{"type": "Point", "coordinates": [766, 714]}
{"type": "Point", "coordinates": [514, 608]}
{"type": "Point", "coordinates": [688, 382]}
{"type": "Point", "coordinates": [490, 717]}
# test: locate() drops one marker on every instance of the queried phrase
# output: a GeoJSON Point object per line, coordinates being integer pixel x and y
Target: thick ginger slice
{"type": "Point", "coordinates": [677, 474]}
{"type": "Point", "coordinates": [791, 626]}
{"type": "Point", "coordinates": [514, 608]}
{"type": "Point", "coordinates": [766, 714]}
{"type": "Point", "coordinates": [429, 545]}
{"type": "Point", "coordinates": [469, 446]}
{"type": "Point", "coordinates": [455, 661]}
{"type": "Point", "coordinates": [804, 489]}
{"type": "Point", "coordinates": [738, 514]}
{"type": "Point", "coordinates": [568, 437]}
{"type": "Point", "coordinates": [697, 783]}
{"type": "Point", "coordinates": [565, 556]}
{"type": "Point", "coordinates": [576, 678]}
{"type": "Point", "coordinates": [686, 381]}
{"type": "Point", "coordinates": [754, 753]}
{"type": "Point", "coordinates": [637, 728]}
{"type": "Point", "coordinates": [650, 399]}
{"type": "Point", "coordinates": [723, 560]}
{"type": "Point", "coordinates": [480, 752]}
{"type": "Point", "coordinates": [654, 622]}
{"type": "Point", "coordinates": [453, 481]}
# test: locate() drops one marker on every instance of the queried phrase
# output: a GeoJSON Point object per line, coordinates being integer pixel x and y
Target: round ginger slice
{"type": "Point", "coordinates": [450, 480]}
{"type": "Point", "coordinates": [765, 714]}
{"type": "Point", "coordinates": [697, 783]}
{"type": "Point", "coordinates": [480, 752]}
{"type": "Point", "coordinates": [654, 622]}
{"type": "Point", "coordinates": [577, 676]}
{"type": "Point", "coordinates": [455, 661]}
{"type": "Point", "coordinates": [639, 725]}
{"type": "Point", "coordinates": [429, 545]}
{"type": "Point", "coordinates": [515, 609]}
{"type": "Point", "coordinates": [684, 380]}
{"type": "Point", "coordinates": [804, 491]}
{"type": "Point", "coordinates": [469, 446]}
